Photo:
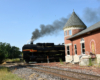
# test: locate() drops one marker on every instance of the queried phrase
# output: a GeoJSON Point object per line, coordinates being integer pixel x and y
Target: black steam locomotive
{"type": "Point", "coordinates": [43, 52]}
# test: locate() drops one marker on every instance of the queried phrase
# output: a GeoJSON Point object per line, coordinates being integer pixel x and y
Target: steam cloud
{"type": "Point", "coordinates": [92, 15]}
{"type": "Point", "coordinates": [49, 29]}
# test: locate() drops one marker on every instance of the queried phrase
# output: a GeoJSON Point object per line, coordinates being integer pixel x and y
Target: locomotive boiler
{"type": "Point", "coordinates": [43, 52]}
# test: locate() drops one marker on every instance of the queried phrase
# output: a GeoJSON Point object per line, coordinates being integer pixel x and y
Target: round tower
{"type": "Point", "coordinates": [72, 27]}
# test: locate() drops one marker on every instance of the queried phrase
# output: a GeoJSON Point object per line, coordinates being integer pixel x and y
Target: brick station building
{"type": "Point", "coordinates": [80, 40]}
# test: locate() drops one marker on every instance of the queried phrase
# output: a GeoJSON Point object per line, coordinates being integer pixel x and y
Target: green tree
{"type": "Point", "coordinates": [2, 52]}
{"type": "Point", "coordinates": [15, 52]}
{"type": "Point", "coordinates": [9, 51]}
{"type": "Point", "coordinates": [2, 56]}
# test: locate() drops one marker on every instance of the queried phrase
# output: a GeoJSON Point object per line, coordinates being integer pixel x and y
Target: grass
{"type": "Point", "coordinates": [61, 61]}
{"type": "Point", "coordinates": [90, 62]}
{"type": "Point", "coordinates": [5, 74]}
{"type": "Point", "coordinates": [13, 60]}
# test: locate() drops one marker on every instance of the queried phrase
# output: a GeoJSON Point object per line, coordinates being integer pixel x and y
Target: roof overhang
{"type": "Point", "coordinates": [78, 35]}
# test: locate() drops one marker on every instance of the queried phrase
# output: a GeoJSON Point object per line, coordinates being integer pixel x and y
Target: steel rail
{"type": "Point", "coordinates": [62, 74]}
{"type": "Point", "coordinates": [81, 75]}
{"type": "Point", "coordinates": [62, 77]}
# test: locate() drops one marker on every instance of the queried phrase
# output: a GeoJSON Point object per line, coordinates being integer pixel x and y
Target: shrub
{"type": "Point", "coordinates": [61, 61]}
{"type": "Point", "coordinates": [90, 62]}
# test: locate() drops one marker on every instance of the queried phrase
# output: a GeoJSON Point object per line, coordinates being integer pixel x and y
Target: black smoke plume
{"type": "Point", "coordinates": [49, 29]}
{"type": "Point", "coordinates": [92, 15]}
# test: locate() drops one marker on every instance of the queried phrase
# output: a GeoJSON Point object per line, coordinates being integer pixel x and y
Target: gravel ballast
{"type": "Point", "coordinates": [29, 74]}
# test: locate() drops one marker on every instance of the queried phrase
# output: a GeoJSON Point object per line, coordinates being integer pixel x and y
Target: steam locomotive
{"type": "Point", "coordinates": [43, 52]}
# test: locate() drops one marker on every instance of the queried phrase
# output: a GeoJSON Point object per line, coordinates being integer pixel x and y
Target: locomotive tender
{"type": "Point", "coordinates": [43, 52]}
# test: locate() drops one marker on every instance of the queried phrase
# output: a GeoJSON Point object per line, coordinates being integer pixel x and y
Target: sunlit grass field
{"type": "Point", "coordinates": [13, 60]}
{"type": "Point", "coordinates": [5, 74]}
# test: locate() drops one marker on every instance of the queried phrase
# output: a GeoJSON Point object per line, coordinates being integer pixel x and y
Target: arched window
{"type": "Point", "coordinates": [82, 46]}
{"type": "Point", "coordinates": [93, 46]}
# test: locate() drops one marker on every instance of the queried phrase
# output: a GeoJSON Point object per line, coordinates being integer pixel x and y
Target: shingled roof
{"type": "Point", "coordinates": [74, 21]}
{"type": "Point", "coordinates": [91, 28]}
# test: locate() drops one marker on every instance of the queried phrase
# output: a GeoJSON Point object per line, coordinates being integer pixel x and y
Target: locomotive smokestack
{"type": "Point", "coordinates": [31, 42]}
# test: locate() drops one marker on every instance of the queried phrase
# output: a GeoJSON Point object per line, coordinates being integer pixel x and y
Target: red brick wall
{"type": "Point", "coordinates": [95, 36]}
{"type": "Point", "coordinates": [70, 47]}
{"type": "Point", "coordinates": [78, 44]}
{"type": "Point", "coordinates": [74, 31]}
{"type": "Point", "coordinates": [65, 51]}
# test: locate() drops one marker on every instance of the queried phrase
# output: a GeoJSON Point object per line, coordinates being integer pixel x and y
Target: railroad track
{"type": "Point", "coordinates": [61, 77]}
{"type": "Point", "coordinates": [60, 73]}
{"type": "Point", "coordinates": [65, 75]}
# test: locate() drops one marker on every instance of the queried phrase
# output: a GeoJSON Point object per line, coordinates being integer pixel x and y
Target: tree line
{"type": "Point", "coordinates": [8, 52]}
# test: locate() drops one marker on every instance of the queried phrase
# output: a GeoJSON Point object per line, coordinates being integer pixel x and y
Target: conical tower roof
{"type": "Point", "coordinates": [74, 21]}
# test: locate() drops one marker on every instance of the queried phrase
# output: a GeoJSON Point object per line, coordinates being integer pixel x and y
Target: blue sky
{"type": "Point", "coordinates": [19, 18]}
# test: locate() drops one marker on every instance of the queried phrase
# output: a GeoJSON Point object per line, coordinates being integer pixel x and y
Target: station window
{"type": "Point", "coordinates": [66, 33]}
{"type": "Point", "coordinates": [82, 46]}
{"type": "Point", "coordinates": [68, 50]}
{"type": "Point", "coordinates": [75, 49]}
{"type": "Point", "coordinates": [70, 32]}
